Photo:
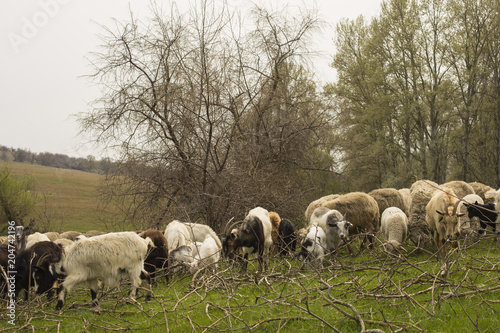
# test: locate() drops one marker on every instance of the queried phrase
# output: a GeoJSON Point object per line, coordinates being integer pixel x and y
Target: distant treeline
{"type": "Point", "coordinates": [89, 163]}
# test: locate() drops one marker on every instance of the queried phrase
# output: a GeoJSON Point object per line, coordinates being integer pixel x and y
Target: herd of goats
{"type": "Point", "coordinates": [428, 214]}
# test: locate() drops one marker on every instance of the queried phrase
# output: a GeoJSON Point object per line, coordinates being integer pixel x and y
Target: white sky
{"type": "Point", "coordinates": [43, 47]}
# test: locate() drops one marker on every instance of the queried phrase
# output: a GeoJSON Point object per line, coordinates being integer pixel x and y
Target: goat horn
{"type": "Point", "coordinates": [229, 226]}
{"type": "Point", "coordinates": [455, 207]}
{"type": "Point", "coordinates": [445, 206]}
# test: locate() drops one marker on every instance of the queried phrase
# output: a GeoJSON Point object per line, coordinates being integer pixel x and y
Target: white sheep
{"type": "Point", "coordinates": [394, 227]}
{"type": "Point", "coordinates": [177, 234]}
{"type": "Point", "coordinates": [35, 238]}
{"type": "Point", "coordinates": [107, 258]}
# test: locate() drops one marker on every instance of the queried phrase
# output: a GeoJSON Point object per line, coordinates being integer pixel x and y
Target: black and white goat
{"type": "Point", "coordinates": [487, 214]}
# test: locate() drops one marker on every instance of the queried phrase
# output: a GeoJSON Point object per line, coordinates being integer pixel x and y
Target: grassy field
{"type": "Point", "coordinates": [368, 289]}
{"type": "Point", "coordinates": [70, 197]}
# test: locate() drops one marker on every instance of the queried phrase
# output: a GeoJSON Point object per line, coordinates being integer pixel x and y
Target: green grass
{"type": "Point", "coordinates": [388, 293]}
{"type": "Point", "coordinates": [71, 200]}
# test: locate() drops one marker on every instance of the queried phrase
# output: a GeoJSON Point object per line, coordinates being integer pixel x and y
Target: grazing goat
{"type": "Point", "coordinates": [206, 253]}
{"type": "Point", "coordinates": [394, 227]}
{"type": "Point", "coordinates": [254, 236]}
{"type": "Point", "coordinates": [157, 257]}
{"type": "Point", "coordinates": [466, 224]}
{"type": "Point", "coordinates": [107, 257]}
{"type": "Point", "coordinates": [487, 214]}
{"type": "Point", "coordinates": [5, 254]}
{"type": "Point", "coordinates": [442, 217]}
{"type": "Point", "coordinates": [314, 247]}
{"type": "Point", "coordinates": [333, 223]}
{"type": "Point", "coordinates": [177, 234]}
{"type": "Point", "coordinates": [33, 267]}
{"type": "Point", "coordinates": [287, 240]}
{"type": "Point", "coordinates": [198, 232]}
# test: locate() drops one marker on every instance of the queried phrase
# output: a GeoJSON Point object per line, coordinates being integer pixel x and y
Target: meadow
{"type": "Point", "coordinates": [70, 198]}
{"type": "Point", "coordinates": [364, 291]}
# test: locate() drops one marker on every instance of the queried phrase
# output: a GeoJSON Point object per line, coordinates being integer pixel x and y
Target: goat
{"type": "Point", "coordinates": [333, 223]}
{"type": "Point", "coordinates": [442, 217]}
{"type": "Point", "coordinates": [206, 253]}
{"type": "Point", "coordinates": [198, 233]}
{"type": "Point", "coordinates": [314, 246]}
{"type": "Point", "coordinates": [33, 267]}
{"type": "Point", "coordinates": [177, 234]}
{"type": "Point", "coordinates": [487, 214]}
{"type": "Point", "coordinates": [105, 257]}
{"type": "Point", "coordinates": [157, 257]}
{"type": "Point", "coordinates": [287, 240]}
{"type": "Point", "coordinates": [254, 236]}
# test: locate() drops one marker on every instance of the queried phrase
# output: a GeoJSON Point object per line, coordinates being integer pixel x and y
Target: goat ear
{"type": "Point", "coordinates": [440, 213]}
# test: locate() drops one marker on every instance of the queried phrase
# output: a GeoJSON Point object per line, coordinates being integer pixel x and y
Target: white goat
{"type": "Point", "coordinates": [177, 234]}
{"type": "Point", "coordinates": [314, 245]}
{"type": "Point", "coordinates": [198, 233]}
{"type": "Point", "coordinates": [394, 227]}
{"type": "Point", "coordinates": [204, 254]}
{"type": "Point", "coordinates": [333, 223]}
{"type": "Point", "coordinates": [107, 258]}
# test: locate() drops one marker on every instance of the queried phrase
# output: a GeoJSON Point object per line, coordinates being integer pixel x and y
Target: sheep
{"type": "Point", "coordinates": [287, 240]}
{"type": "Point", "coordinates": [442, 217]}
{"type": "Point", "coordinates": [460, 188]}
{"type": "Point", "coordinates": [394, 227]}
{"type": "Point", "coordinates": [177, 234]}
{"type": "Point", "coordinates": [106, 258]}
{"type": "Point", "coordinates": [207, 253]}
{"type": "Point", "coordinates": [333, 223]}
{"type": "Point", "coordinates": [198, 232]}
{"type": "Point", "coordinates": [314, 246]}
{"type": "Point", "coordinates": [418, 230]}
{"type": "Point", "coordinates": [361, 210]}
{"type": "Point", "coordinates": [466, 225]}
{"type": "Point", "coordinates": [157, 257]}
{"type": "Point", "coordinates": [35, 238]}
{"type": "Point", "coordinates": [92, 233]}
{"type": "Point", "coordinates": [405, 194]}
{"type": "Point", "coordinates": [52, 235]}
{"type": "Point", "coordinates": [33, 267]}
{"type": "Point", "coordinates": [480, 189]}
{"type": "Point", "coordinates": [388, 197]}
{"type": "Point", "coordinates": [63, 242]}
{"type": "Point", "coordinates": [318, 203]}
{"type": "Point", "coordinates": [493, 196]}
{"type": "Point", "coordinates": [254, 236]}
{"type": "Point", "coordinates": [70, 235]}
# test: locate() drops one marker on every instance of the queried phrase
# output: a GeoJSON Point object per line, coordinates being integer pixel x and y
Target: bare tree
{"type": "Point", "coordinates": [179, 97]}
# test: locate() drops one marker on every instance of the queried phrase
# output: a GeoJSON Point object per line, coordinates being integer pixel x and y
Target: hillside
{"type": "Point", "coordinates": [71, 201]}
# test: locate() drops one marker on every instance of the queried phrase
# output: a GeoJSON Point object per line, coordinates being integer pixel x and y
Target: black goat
{"type": "Point", "coordinates": [287, 240]}
{"type": "Point", "coordinates": [486, 214]}
{"type": "Point", "coordinates": [157, 258]}
{"type": "Point", "coordinates": [33, 268]}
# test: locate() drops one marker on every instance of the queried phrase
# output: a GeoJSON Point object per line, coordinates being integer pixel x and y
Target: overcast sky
{"type": "Point", "coordinates": [43, 48]}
